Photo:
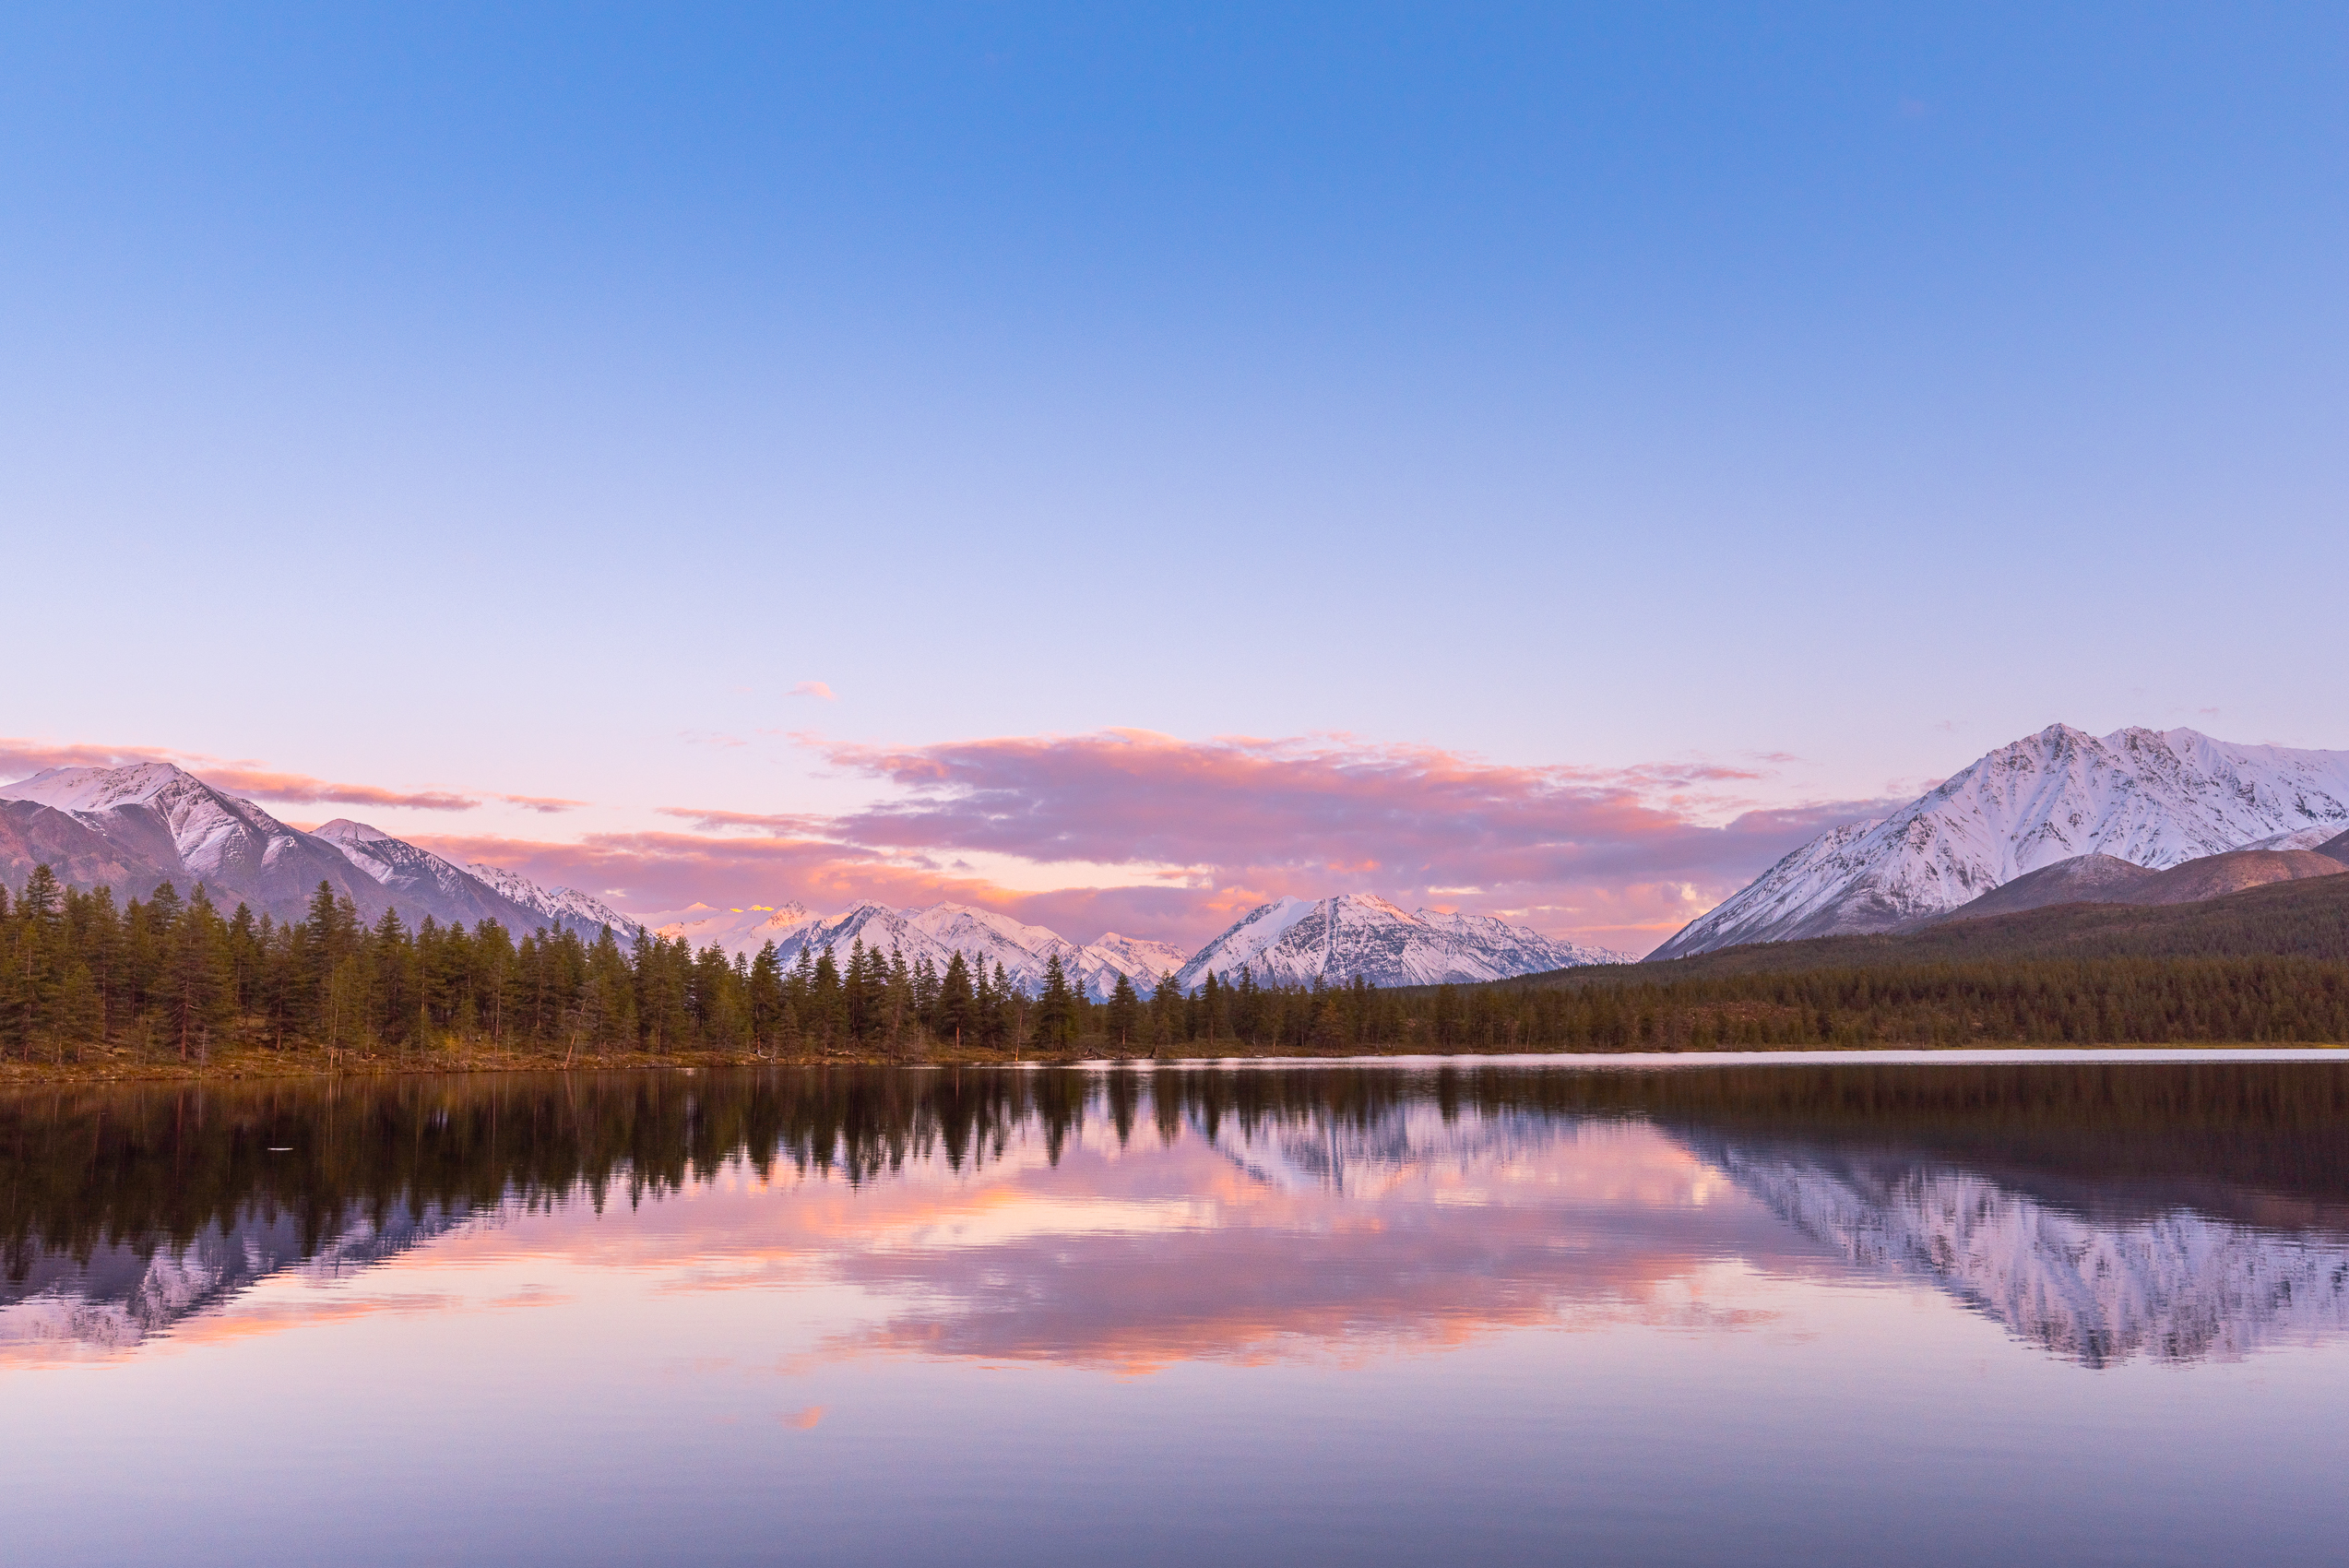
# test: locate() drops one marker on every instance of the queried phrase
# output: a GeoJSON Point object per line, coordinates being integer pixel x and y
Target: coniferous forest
{"type": "Point", "coordinates": [175, 980]}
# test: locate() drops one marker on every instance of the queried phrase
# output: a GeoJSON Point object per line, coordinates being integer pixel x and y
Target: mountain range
{"type": "Point", "coordinates": [937, 932]}
{"type": "Point", "coordinates": [1290, 941]}
{"type": "Point", "coordinates": [1287, 942]}
{"type": "Point", "coordinates": [2150, 799]}
{"type": "Point", "coordinates": [135, 827]}
{"type": "Point", "coordinates": [132, 828]}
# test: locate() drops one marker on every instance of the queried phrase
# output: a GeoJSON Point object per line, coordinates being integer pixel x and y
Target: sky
{"type": "Point", "coordinates": [1115, 464]}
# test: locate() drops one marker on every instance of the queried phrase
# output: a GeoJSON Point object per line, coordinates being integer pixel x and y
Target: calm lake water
{"type": "Point", "coordinates": [1786, 1314]}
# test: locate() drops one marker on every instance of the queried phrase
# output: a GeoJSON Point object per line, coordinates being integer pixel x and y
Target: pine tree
{"type": "Point", "coordinates": [1125, 1011]}
{"type": "Point", "coordinates": [956, 1009]}
{"type": "Point", "coordinates": [1056, 1010]}
{"type": "Point", "coordinates": [203, 981]}
{"type": "Point", "coordinates": [824, 1008]}
{"type": "Point", "coordinates": [765, 986]}
{"type": "Point", "coordinates": [1165, 1013]}
{"type": "Point", "coordinates": [34, 966]}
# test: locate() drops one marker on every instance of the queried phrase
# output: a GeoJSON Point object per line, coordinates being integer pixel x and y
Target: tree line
{"type": "Point", "coordinates": [173, 974]}
{"type": "Point", "coordinates": [177, 974]}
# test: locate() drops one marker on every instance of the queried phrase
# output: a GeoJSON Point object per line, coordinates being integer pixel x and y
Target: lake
{"type": "Point", "coordinates": [1805, 1310]}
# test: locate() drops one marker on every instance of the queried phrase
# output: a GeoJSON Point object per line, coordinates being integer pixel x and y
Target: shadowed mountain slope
{"type": "Point", "coordinates": [32, 835]}
{"type": "Point", "coordinates": [2303, 918]}
{"type": "Point", "coordinates": [2100, 879]}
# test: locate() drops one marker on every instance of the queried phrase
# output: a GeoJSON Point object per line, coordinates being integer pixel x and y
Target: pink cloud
{"type": "Point", "coordinates": [1207, 829]}
{"type": "Point", "coordinates": [647, 871]}
{"type": "Point", "coordinates": [1621, 857]}
{"type": "Point", "coordinates": [544, 804]}
{"type": "Point", "coordinates": [1415, 823]}
{"type": "Point", "coordinates": [720, 822]}
{"type": "Point", "coordinates": [814, 689]}
{"type": "Point", "coordinates": [20, 757]}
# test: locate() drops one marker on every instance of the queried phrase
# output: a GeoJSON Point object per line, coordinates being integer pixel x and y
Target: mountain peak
{"type": "Point", "coordinates": [99, 789]}
{"type": "Point", "coordinates": [1295, 940]}
{"type": "Point", "coordinates": [343, 830]}
{"type": "Point", "coordinates": [2149, 798]}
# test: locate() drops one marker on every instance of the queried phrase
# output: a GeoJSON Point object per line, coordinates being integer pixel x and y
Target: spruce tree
{"type": "Point", "coordinates": [1125, 1011]}
{"type": "Point", "coordinates": [1056, 1012]}
{"type": "Point", "coordinates": [955, 999]}
{"type": "Point", "coordinates": [1165, 1013]}
{"type": "Point", "coordinates": [765, 993]}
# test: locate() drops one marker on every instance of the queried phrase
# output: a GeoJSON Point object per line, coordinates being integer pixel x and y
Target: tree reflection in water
{"type": "Point", "coordinates": [2101, 1212]}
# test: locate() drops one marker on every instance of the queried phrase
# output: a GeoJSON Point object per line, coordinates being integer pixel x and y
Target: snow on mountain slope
{"type": "Point", "coordinates": [937, 932]}
{"type": "Point", "coordinates": [162, 817]}
{"type": "Point", "coordinates": [984, 936]}
{"type": "Point", "coordinates": [876, 926]}
{"type": "Point", "coordinates": [1142, 961]}
{"type": "Point", "coordinates": [1245, 942]}
{"type": "Point", "coordinates": [2150, 799]}
{"type": "Point", "coordinates": [420, 883]}
{"type": "Point", "coordinates": [1290, 941]}
{"type": "Point", "coordinates": [1516, 949]}
{"type": "Point", "coordinates": [941, 931]}
{"type": "Point", "coordinates": [742, 930]}
{"type": "Point", "coordinates": [2299, 838]}
{"type": "Point", "coordinates": [582, 912]}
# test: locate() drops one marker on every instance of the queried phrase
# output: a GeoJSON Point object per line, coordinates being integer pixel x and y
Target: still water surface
{"type": "Point", "coordinates": [1788, 1313]}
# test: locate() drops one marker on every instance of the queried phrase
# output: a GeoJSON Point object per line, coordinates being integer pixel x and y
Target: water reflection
{"type": "Point", "coordinates": [1131, 1220]}
{"type": "Point", "coordinates": [2175, 1285]}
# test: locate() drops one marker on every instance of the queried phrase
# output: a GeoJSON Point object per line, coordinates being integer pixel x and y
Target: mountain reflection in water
{"type": "Point", "coordinates": [1134, 1218]}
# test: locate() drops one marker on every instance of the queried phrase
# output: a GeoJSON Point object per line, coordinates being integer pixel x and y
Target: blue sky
{"type": "Point", "coordinates": [529, 401]}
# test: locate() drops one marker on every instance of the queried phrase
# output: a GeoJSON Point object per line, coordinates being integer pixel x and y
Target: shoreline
{"type": "Point", "coordinates": [97, 1065]}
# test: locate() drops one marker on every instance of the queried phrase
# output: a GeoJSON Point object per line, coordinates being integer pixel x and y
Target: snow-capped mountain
{"type": "Point", "coordinates": [581, 912]}
{"type": "Point", "coordinates": [2150, 799]}
{"type": "Point", "coordinates": [418, 880]}
{"type": "Point", "coordinates": [420, 883]}
{"type": "Point", "coordinates": [1141, 960]}
{"type": "Point", "coordinates": [745, 929]}
{"type": "Point", "coordinates": [982, 936]}
{"type": "Point", "coordinates": [1290, 941]}
{"type": "Point", "coordinates": [133, 828]}
{"type": "Point", "coordinates": [937, 932]}
{"type": "Point", "coordinates": [164, 820]}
